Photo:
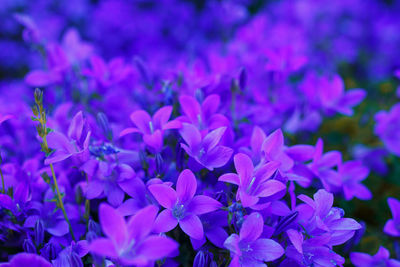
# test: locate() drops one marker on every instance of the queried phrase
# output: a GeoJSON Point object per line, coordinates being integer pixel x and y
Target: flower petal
{"type": "Point", "coordinates": [186, 186]}
{"type": "Point", "coordinates": [142, 222]}
{"type": "Point", "coordinates": [252, 227]}
{"type": "Point", "coordinates": [142, 120]}
{"type": "Point", "coordinates": [244, 167]}
{"type": "Point", "coordinates": [203, 204]}
{"type": "Point", "coordinates": [103, 247]}
{"type": "Point", "coordinates": [156, 247]}
{"type": "Point", "coordinates": [165, 222]}
{"type": "Point", "coordinates": [165, 195]}
{"type": "Point", "coordinates": [113, 224]}
{"type": "Point", "coordinates": [192, 226]}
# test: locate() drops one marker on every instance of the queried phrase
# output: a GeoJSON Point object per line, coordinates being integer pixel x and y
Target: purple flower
{"type": "Point", "coordinates": [213, 225]}
{"type": "Point", "coordinates": [392, 226]}
{"type": "Point", "coordinates": [319, 217]}
{"type": "Point", "coordinates": [110, 74]}
{"type": "Point", "coordinates": [152, 128]}
{"type": "Point", "coordinates": [58, 66]}
{"type": "Point", "coordinates": [381, 258]}
{"type": "Point", "coordinates": [253, 183]}
{"type": "Point", "coordinates": [27, 259]}
{"type": "Point", "coordinates": [388, 128]}
{"type": "Point", "coordinates": [182, 206]}
{"type": "Point", "coordinates": [205, 151]}
{"type": "Point", "coordinates": [247, 248]}
{"type": "Point", "coordinates": [311, 252]}
{"type": "Point", "coordinates": [352, 173]}
{"type": "Point", "coordinates": [130, 242]}
{"type": "Point", "coordinates": [203, 116]}
{"type": "Point", "coordinates": [333, 97]}
{"type": "Point", "coordinates": [274, 150]}
{"type": "Point", "coordinates": [76, 144]}
{"type": "Point", "coordinates": [107, 179]}
{"type": "Point", "coordinates": [322, 165]}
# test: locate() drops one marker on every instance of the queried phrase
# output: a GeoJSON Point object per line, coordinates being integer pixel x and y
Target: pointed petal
{"type": "Point", "coordinates": [266, 250]}
{"type": "Point", "coordinates": [165, 195]}
{"type": "Point", "coordinates": [142, 222]}
{"type": "Point", "coordinates": [113, 224]}
{"type": "Point", "coordinates": [257, 139]}
{"type": "Point", "coordinates": [156, 247]}
{"type": "Point", "coordinates": [252, 227]}
{"type": "Point", "coordinates": [210, 105]}
{"type": "Point", "coordinates": [394, 206]}
{"type": "Point", "coordinates": [217, 157]}
{"type": "Point", "coordinates": [103, 247]}
{"type": "Point", "coordinates": [191, 135]}
{"type": "Point", "coordinates": [142, 120]}
{"type": "Point", "coordinates": [186, 186]}
{"type": "Point", "coordinates": [297, 239]}
{"type": "Point", "coordinates": [165, 222]}
{"type": "Point", "coordinates": [192, 226]}
{"type": "Point", "coordinates": [203, 204]}
{"type": "Point", "coordinates": [244, 168]}
{"type": "Point", "coordinates": [162, 116]}
{"type": "Point", "coordinates": [190, 107]}
{"type": "Point", "coordinates": [231, 178]}
{"type": "Point", "coordinates": [213, 138]}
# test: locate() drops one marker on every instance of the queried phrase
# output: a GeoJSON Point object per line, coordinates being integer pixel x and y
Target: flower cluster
{"type": "Point", "coordinates": [193, 132]}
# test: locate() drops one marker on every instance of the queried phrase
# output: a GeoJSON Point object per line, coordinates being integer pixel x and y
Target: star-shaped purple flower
{"type": "Point", "coordinates": [392, 226]}
{"type": "Point", "coordinates": [131, 242]}
{"type": "Point", "coordinates": [182, 206]}
{"type": "Point", "coordinates": [248, 249]}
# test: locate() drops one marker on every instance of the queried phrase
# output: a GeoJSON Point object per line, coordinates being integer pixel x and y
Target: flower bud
{"type": "Point", "coordinates": [28, 246]}
{"type": "Point", "coordinates": [94, 227]}
{"type": "Point", "coordinates": [48, 251]}
{"type": "Point", "coordinates": [202, 259]}
{"type": "Point", "coordinates": [102, 120]}
{"type": "Point", "coordinates": [39, 232]}
{"type": "Point", "coordinates": [38, 96]}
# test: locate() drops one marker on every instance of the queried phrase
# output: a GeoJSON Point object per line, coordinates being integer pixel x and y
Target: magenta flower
{"type": "Point", "coordinates": [248, 249]}
{"type": "Point", "coordinates": [392, 226]}
{"type": "Point", "coordinates": [182, 206]}
{"type": "Point", "coordinates": [207, 150]}
{"type": "Point", "coordinates": [381, 258]}
{"type": "Point", "coordinates": [152, 128]}
{"type": "Point", "coordinates": [75, 144]}
{"type": "Point", "coordinates": [253, 183]}
{"type": "Point", "coordinates": [131, 242]}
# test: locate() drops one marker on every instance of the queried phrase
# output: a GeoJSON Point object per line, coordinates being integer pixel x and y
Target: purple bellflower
{"type": "Point", "coordinates": [131, 243]}
{"type": "Point", "coordinates": [76, 144]}
{"type": "Point", "coordinates": [392, 226]}
{"type": "Point", "coordinates": [322, 165]}
{"type": "Point", "coordinates": [203, 116]}
{"type": "Point", "coordinates": [381, 258]}
{"type": "Point", "coordinates": [352, 173]}
{"type": "Point", "coordinates": [253, 183]}
{"type": "Point", "coordinates": [206, 151]}
{"type": "Point", "coordinates": [152, 128]}
{"type": "Point", "coordinates": [107, 179]}
{"type": "Point", "coordinates": [248, 249]}
{"type": "Point", "coordinates": [333, 97]}
{"type": "Point", "coordinates": [182, 206]}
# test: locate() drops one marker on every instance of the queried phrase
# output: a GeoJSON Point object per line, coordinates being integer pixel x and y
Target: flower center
{"type": "Point", "coordinates": [179, 211]}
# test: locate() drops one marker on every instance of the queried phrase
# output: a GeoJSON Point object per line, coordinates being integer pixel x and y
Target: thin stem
{"type": "Point", "coordinates": [60, 202]}
{"type": "Point", "coordinates": [42, 120]}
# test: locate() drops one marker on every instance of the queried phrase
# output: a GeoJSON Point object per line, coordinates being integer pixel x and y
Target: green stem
{"type": "Point", "coordinates": [60, 202]}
